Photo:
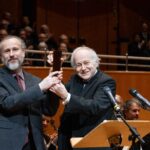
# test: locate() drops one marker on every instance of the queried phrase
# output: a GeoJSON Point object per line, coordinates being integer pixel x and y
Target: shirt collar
{"type": "Point", "coordinates": [20, 74]}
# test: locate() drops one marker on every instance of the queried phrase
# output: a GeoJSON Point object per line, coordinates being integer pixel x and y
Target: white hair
{"type": "Point", "coordinates": [93, 56]}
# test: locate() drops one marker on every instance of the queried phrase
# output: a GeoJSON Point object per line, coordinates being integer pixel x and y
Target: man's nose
{"type": "Point", "coordinates": [83, 66]}
{"type": "Point", "coordinates": [11, 53]}
{"type": "Point", "coordinates": [137, 112]}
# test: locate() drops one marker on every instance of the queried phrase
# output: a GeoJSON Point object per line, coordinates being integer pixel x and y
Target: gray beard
{"type": "Point", "coordinates": [13, 66]}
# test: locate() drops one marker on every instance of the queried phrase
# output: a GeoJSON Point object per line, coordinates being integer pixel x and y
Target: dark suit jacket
{"type": "Point", "coordinates": [87, 108]}
{"type": "Point", "coordinates": [18, 109]}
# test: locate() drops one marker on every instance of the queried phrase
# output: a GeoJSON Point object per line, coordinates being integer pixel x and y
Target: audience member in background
{"type": "Point", "coordinates": [29, 45]}
{"type": "Point", "coordinates": [25, 22]}
{"type": "Point", "coordinates": [31, 36]}
{"type": "Point", "coordinates": [23, 99]}
{"type": "Point", "coordinates": [41, 57]}
{"type": "Point", "coordinates": [24, 37]}
{"type": "Point", "coordinates": [63, 38]}
{"type": "Point", "coordinates": [65, 57]}
{"type": "Point", "coordinates": [86, 104]}
{"type": "Point", "coordinates": [144, 34]}
{"type": "Point", "coordinates": [136, 48]}
{"type": "Point", "coordinates": [42, 37]}
{"type": "Point", "coordinates": [50, 40]}
{"type": "Point", "coordinates": [7, 23]}
{"type": "Point", "coordinates": [119, 101]}
{"type": "Point", "coordinates": [42, 46]}
{"type": "Point", "coordinates": [3, 33]}
{"type": "Point", "coordinates": [131, 109]}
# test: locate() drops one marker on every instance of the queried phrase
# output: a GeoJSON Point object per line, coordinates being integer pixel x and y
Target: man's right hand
{"type": "Point", "coordinates": [52, 79]}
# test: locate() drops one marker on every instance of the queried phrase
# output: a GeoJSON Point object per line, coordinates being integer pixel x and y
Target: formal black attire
{"type": "Point", "coordinates": [88, 107]}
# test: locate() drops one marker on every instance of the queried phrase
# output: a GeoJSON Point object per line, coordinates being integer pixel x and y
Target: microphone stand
{"type": "Point", "coordinates": [134, 132]}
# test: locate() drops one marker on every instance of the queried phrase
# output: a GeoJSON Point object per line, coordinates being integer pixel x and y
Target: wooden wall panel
{"type": "Point", "coordinates": [95, 20]}
{"type": "Point", "coordinates": [89, 19]}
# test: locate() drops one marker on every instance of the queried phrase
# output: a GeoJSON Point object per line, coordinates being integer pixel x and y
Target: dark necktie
{"type": "Point", "coordinates": [20, 82]}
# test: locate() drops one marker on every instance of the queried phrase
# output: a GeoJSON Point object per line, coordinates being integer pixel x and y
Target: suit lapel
{"type": "Point", "coordinates": [28, 80]}
{"type": "Point", "coordinates": [8, 77]}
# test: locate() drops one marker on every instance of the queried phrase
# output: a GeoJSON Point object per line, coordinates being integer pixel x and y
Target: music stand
{"type": "Point", "coordinates": [98, 137]}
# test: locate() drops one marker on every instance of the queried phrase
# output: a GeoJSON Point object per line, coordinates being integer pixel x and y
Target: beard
{"type": "Point", "coordinates": [13, 65]}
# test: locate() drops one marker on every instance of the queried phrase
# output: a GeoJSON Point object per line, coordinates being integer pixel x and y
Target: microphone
{"type": "Point", "coordinates": [108, 92]}
{"type": "Point", "coordinates": [137, 95]}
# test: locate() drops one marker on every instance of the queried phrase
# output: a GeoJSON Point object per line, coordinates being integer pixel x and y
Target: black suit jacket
{"type": "Point", "coordinates": [18, 109]}
{"type": "Point", "coordinates": [88, 107]}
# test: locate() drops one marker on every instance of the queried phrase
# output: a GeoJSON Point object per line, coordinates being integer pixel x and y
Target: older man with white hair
{"type": "Point", "coordinates": [86, 104]}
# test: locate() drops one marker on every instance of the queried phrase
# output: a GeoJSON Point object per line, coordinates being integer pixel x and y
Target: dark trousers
{"type": "Point", "coordinates": [29, 146]}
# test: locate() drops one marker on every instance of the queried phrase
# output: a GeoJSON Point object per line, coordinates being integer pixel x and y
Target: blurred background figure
{"type": "Point", "coordinates": [63, 38]}
{"type": "Point", "coordinates": [119, 101]}
{"type": "Point", "coordinates": [42, 37]}
{"type": "Point", "coordinates": [42, 46]}
{"type": "Point", "coordinates": [50, 39]}
{"type": "Point", "coordinates": [135, 46]}
{"type": "Point", "coordinates": [131, 109]}
{"type": "Point", "coordinates": [3, 33]}
{"type": "Point", "coordinates": [50, 138]}
{"type": "Point", "coordinates": [144, 34]}
{"type": "Point", "coordinates": [6, 22]}
{"type": "Point", "coordinates": [65, 57]}
{"type": "Point", "coordinates": [25, 22]}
